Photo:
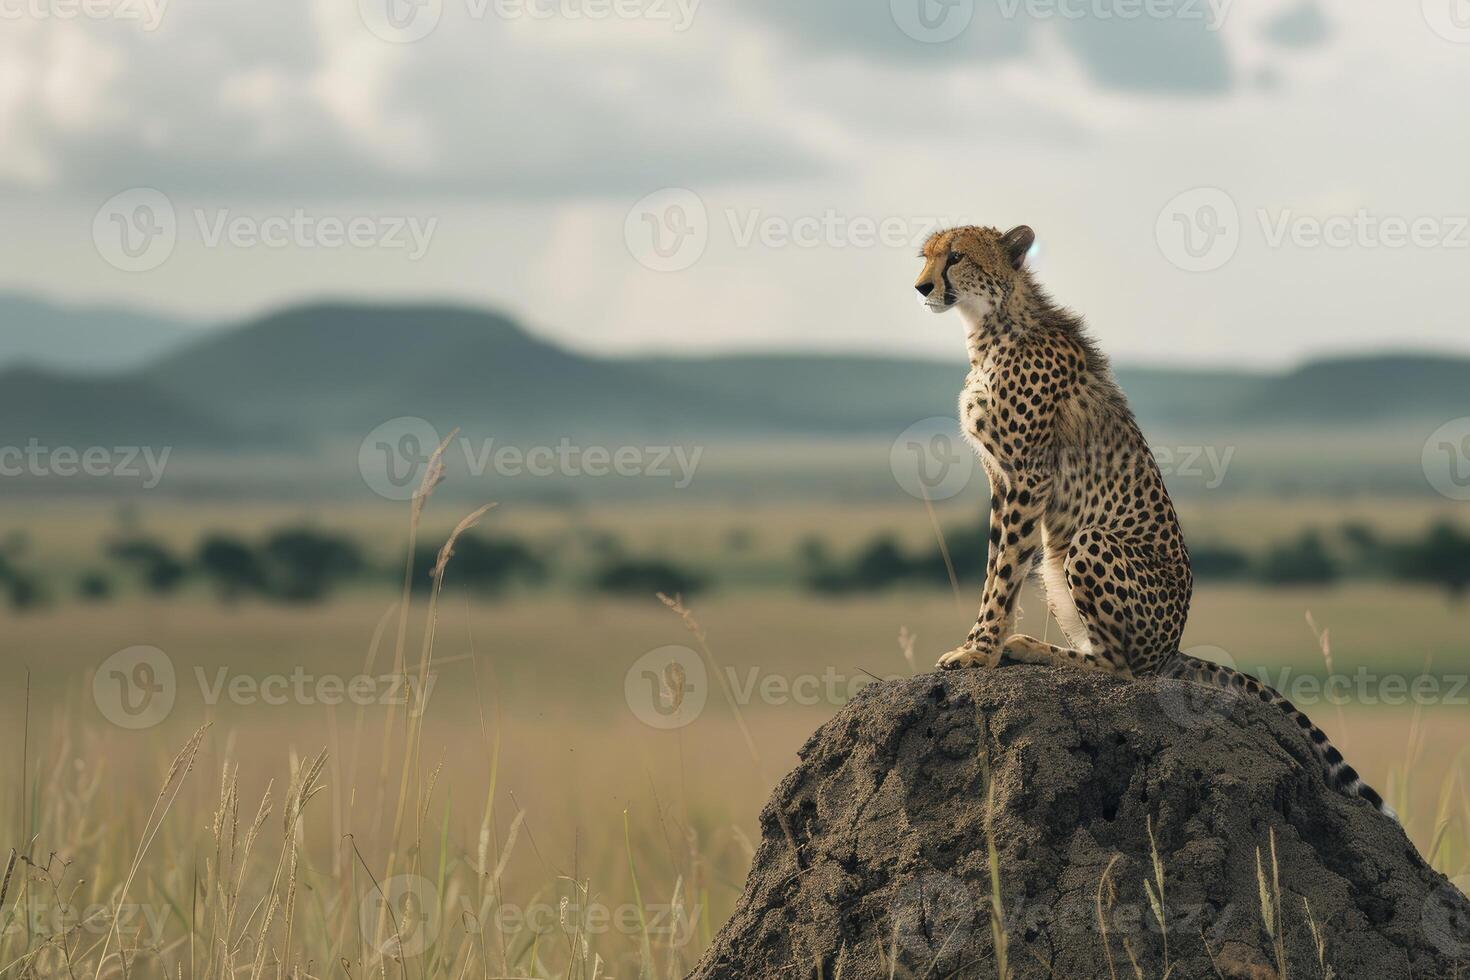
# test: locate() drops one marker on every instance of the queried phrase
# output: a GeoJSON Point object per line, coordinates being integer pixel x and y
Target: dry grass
{"type": "Point", "coordinates": [525, 824]}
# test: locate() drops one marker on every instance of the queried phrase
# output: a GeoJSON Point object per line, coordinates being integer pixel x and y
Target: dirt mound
{"type": "Point", "coordinates": [874, 859]}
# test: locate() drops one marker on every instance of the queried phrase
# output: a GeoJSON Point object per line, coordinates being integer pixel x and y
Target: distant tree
{"type": "Point", "coordinates": [486, 564]}
{"type": "Point", "coordinates": [1218, 561]}
{"type": "Point", "coordinates": [602, 544]}
{"type": "Point", "coordinates": [647, 576]}
{"type": "Point", "coordinates": [739, 539]}
{"type": "Point", "coordinates": [157, 568]}
{"type": "Point", "coordinates": [1360, 537]}
{"type": "Point", "coordinates": [24, 592]}
{"type": "Point", "coordinates": [232, 566]}
{"type": "Point", "coordinates": [880, 565]}
{"type": "Point", "coordinates": [812, 552]}
{"type": "Point", "coordinates": [17, 543]}
{"type": "Point", "coordinates": [304, 565]}
{"type": "Point", "coordinates": [93, 586]}
{"type": "Point", "coordinates": [969, 548]}
{"type": "Point", "coordinates": [1303, 561]}
{"type": "Point", "coordinates": [1441, 557]}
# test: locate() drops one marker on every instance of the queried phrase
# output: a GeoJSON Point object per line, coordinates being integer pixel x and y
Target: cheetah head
{"type": "Point", "coordinates": [973, 268]}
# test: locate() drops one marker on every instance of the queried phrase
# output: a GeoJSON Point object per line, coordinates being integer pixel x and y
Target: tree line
{"type": "Point", "coordinates": [1439, 557]}
{"type": "Point", "coordinates": [304, 564]}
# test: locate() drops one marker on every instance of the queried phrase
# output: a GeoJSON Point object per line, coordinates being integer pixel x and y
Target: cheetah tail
{"type": "Point", "coordinates": [1340, 775]}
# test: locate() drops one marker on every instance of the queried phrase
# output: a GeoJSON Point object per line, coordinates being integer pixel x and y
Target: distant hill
{"type": "Point", "coordinates": [91, 339]}
{"type": "Point", "coordinates": [341, 369]}
{"type": "Point", "coordinates": [329, 373]}
{"type": "Point", "coordinates": [875, 394]}
{"type": "Point", "coordinates": [1367, 389]}
{"type": "Point", "coordinates": [822, 393]}
{"type": "Point", "coordinates": [53, 410]}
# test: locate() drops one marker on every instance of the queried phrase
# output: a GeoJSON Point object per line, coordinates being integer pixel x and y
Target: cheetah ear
{"type": "Point", "coordinates": [1017, 242]}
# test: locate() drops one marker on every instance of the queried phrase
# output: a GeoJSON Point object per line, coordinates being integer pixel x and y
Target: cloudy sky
{"type": "Point", "coordinates": [1211, 181]}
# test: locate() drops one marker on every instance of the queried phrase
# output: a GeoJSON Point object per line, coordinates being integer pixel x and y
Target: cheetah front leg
{"type": "Point", "coordinates": [1015, 536]}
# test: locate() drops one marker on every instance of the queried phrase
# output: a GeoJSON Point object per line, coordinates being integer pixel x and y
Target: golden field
{"type": "Point", "coordinates": [522, 818]}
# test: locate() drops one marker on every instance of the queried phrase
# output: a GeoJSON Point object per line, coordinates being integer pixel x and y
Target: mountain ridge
{"type": "Point", "coordinates": [334, 370]}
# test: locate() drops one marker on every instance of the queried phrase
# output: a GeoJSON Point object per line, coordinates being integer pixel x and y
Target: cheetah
{"type": "Point", "coordinates": [1075, 492]}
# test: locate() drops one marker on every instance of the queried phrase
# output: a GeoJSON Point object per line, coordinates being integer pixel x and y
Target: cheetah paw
{"type": "Point", "coordinates": [962, 657]}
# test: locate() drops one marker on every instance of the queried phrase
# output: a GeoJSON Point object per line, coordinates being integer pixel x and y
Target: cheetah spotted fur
{"type": "Point", "coordinates": [1075, 491]}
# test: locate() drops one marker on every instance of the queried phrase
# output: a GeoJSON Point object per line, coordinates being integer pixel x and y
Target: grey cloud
{"type": "Point", "coordinates": [1181, 52]}
{"type": "Point", "coordinates": [1302, 26]}
{"type": "Point", "coordinates": [871, 28]}
{"type": "Point", "coordinates": [466, 111]}
{"type": "Point", "coordinates": [1152, 54]}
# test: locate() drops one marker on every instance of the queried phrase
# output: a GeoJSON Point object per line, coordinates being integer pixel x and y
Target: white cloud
{"type": "Point", "coordinates": [530, 139]}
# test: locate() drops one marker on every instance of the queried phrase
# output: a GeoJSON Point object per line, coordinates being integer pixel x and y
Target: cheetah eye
{"type": "Point", "coordinates": [954, 257]}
